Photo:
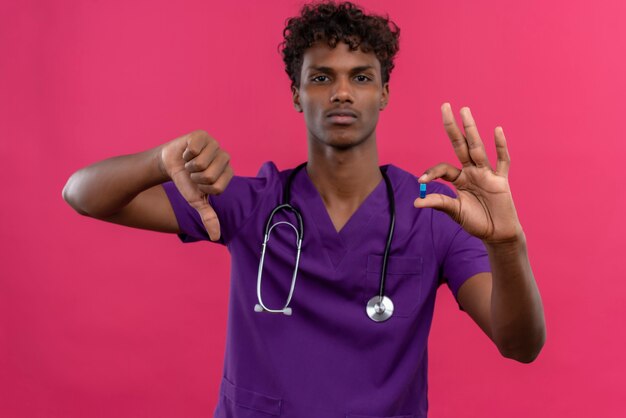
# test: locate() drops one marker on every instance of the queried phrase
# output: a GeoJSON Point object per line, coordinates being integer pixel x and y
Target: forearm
{"type": "Point", "coordinates": [103, 188]}
{"type": "Point", "coordinates": [517, 320]}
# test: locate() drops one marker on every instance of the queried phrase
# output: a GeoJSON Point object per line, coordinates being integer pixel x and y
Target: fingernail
{"type": "Point", "coordinates": [423, 177]}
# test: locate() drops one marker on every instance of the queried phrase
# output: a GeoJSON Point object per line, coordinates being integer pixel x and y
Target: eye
{"type": "Point", "coordinates": [362, 78]}
{"type": "Point", "coordinates": [320, 79]}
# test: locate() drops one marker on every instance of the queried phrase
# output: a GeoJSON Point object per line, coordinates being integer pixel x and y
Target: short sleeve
{"type": "Point", "coordinates": [233, 207]}
{"type": "Point", "coordinates": [461, 255]}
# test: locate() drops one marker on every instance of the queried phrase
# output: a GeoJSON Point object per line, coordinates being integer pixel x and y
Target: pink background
{"type": "Point", "coordinates": [101, 321]}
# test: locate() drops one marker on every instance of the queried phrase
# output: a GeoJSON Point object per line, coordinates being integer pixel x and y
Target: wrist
{"type": "Point", "coordinates": [158, 167]}
{"type": "Point", "coordinates": [513, 244]}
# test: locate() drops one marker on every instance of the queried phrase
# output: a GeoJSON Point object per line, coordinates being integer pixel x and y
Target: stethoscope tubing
{"type": "Point", "coordinates": [286, 310]}
{"type": "Point", "coordinates": [380, 307]}
{"type": "Point", "coordinates": [390, 231]}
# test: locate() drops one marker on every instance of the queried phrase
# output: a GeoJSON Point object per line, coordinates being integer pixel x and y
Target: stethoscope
{"type": "Point", "coordinates": [379, 308]}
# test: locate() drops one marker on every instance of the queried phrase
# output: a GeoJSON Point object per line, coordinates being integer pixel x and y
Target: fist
{"type": "Point", "coordinates": [198, 167]}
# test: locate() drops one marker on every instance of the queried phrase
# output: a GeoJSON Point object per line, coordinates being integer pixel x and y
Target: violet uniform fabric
{"type": "Point", "coordinates": [329, 358]}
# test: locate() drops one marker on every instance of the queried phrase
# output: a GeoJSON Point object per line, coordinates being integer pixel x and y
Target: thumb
{"type": "Point", "coordinates": [199, 201]}
{"type": "Point", "coordinates": [209, 218]}
{"type": "Point", "coordinates": [439, 202]}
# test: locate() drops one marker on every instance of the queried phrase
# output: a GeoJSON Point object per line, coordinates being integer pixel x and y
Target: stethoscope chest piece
{"type": "Point", "coordinates": [378, 309]}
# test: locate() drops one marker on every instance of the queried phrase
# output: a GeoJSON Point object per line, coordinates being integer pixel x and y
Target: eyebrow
{"type": "Point", "coordinates": [329, 70]}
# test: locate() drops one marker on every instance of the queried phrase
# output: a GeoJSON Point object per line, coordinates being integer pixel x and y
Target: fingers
{"type": "Point", "coordinates": [201, 159]}
{"type": "Point", "coordinates": [456, 136]}
{"type": "Point", "coordinates": [474, 143]}
{"type": "Point", "coordinates": [219, 185]}
{"type": "Point", "coordinates": [208, 171]}
{"type": "Point", "coordinates": [443, 171]}
{"type": "Point", "coordinates": [504, 161]}
{"type": "Point", "coordinates": [206, 164]}
{"type": "Point", "coordinates": [196, 142]}
{"type": "Point", "coordinates": [440, 202]}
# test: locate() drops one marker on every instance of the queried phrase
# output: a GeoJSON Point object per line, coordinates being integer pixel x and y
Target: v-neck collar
{"type": "Point", "coordinates": [337, 244]}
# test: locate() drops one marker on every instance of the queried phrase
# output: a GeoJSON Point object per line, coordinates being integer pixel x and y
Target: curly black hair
{"type": "Point", "coordinates": [333, 23]}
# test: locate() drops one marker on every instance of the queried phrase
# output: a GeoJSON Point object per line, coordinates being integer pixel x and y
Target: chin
{"type": "Point", "coordinates": [341, 139]}
{"type": "Point", "coordinates": [343, 143]}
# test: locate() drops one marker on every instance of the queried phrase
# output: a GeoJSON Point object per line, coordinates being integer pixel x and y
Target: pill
{"type": "Point", "coordinates": [422, 190]}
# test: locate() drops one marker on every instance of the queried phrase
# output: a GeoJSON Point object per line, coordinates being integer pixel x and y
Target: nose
{"type": "Point", "coordinates": [342, 91]}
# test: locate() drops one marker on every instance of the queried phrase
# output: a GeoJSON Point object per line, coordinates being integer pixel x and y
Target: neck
{"type": "Point", "coordinates": [344, 178]}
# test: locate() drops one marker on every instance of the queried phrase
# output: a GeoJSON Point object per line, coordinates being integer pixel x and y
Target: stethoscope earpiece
{"type": "Point", "coordinates": [287, 311]}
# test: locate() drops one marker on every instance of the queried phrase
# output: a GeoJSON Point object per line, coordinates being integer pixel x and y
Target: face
{"type": "Point", "coordinates": [341, 94]}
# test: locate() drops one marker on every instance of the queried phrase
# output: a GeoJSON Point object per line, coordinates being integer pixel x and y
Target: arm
{"type": "Point", "coordinates": [127, 189]}
{"type": "Point", "coordinates": [505, 303]}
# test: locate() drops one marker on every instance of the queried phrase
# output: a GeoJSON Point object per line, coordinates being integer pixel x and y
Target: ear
{"type": "Point", "coordinates": [384, 98]}
{"type": "Point", "coordinates": [295, 94]}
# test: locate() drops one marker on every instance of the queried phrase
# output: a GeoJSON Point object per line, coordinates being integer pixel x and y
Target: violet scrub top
{"type": "Point", "coordinates": [329, 359]}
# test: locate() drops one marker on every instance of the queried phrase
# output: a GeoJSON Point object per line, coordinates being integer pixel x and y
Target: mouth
{"type": "Point", "coordinates": [341, 117]}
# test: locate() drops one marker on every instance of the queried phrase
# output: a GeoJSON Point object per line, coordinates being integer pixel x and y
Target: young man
{"type": "Point", "coordinates": [340, 328]}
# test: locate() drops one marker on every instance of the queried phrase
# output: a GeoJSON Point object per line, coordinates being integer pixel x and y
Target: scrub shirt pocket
{"type": "Point", "coordinates": [403, 284]}
{"type": "Point", "coordinates": [247, 403]}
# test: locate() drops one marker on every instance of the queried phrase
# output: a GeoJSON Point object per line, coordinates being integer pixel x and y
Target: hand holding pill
{"type": "Point", "coordinates": [484, 204]}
